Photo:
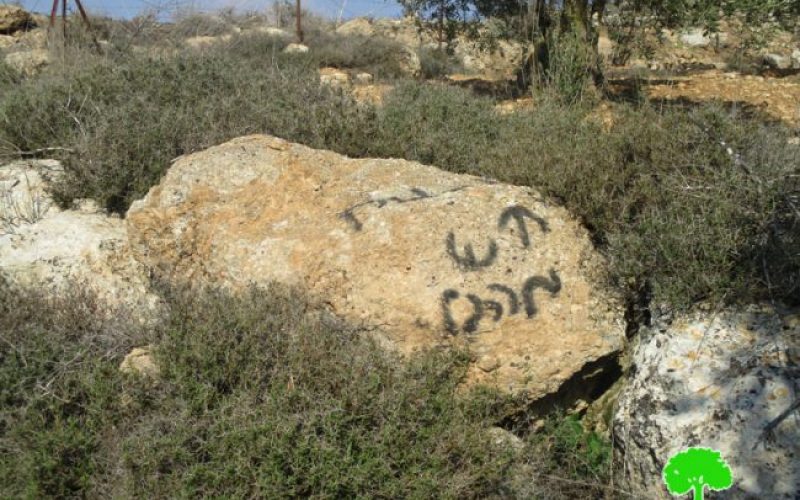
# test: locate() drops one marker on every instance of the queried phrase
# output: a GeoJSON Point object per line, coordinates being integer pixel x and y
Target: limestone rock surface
{"type": "Point", "coordinates": [334, 77]}
{"type": "Point", "coordinates": [14, 19]}
{"type": "Point", "coordinates": [44, 247]}
{"type": "Point", "coordinates": [28, 62]}
{"type": "Point", "coordinates": [715, 381]}
{"type": "Point", "coordinates": [140, 361]}
{"type": "Point", "coordinates": [427, 258]}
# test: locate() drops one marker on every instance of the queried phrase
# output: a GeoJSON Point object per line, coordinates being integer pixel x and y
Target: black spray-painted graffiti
{"type": "Point", "coordinates": [349, 216]}
{"type": "Point", "coordinates": [551, 284]}
{"type": "Point", "coordinates": [468, 261]}
{"type": "Point", "coordinates": [519, 214]}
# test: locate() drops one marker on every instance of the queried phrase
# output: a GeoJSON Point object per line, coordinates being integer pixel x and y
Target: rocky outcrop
{"type": "Point", "coordinates": [423, 257]}
{"type": "Point", "coordinates": [44, 247]}
{"type": "Point", "coordinates": [14, 19]}
{"type": "Point", "coordinates": [716, 380]}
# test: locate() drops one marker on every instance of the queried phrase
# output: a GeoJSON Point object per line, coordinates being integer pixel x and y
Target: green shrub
{"type": "Point", "coordinates": [437, 125]}
{"type": "Point", "coordinates": [570, 64]}
{"type": "Point", "coordinates": [257, 396]}
{"type": "Point", "coordinates": [126, 121]}
{"type": "Point", "coordinates": [59, 391]}
{"type": "Point", "coordinates": [378, 56]}
{"type": "Point", "coordinates": [435, 63]}
{"type": "Point", "coordinates": [566, 461]}
{"type": "Point", "coordinates": [8, 77]}
{"type": "Point", "coordinates": [193, 25]}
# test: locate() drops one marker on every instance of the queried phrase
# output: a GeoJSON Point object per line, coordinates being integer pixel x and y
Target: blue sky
{"type": "Point", "coordinates": [130, 8]}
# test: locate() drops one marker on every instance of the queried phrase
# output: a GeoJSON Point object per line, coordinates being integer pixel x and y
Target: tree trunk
{"type": "Point", "coordinates": [441, 24]}
{"type": "Point", "coordinates": [577, 19]}
{"type": "Point", "coordinates": [536, 62]}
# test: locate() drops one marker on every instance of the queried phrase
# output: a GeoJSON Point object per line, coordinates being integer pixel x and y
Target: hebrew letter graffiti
{"type": "Point", "coordinates": [553, 285]}
{"type": "Point", "coordinates": [449, 323]}
{"type": "Point", "coordinates": [472, 322]}
{"type": "Point", "coordinates": [495, 306]}
{"type": "Point", "coordinates": [513, 301]}
{"type": "Point", "coordinates": [469, 261]}
{"type": "Point", "coordinates": [519, 214]}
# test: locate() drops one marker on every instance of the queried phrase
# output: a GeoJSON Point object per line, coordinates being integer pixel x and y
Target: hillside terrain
{"type": "Point", "coordinates": [378, 263]}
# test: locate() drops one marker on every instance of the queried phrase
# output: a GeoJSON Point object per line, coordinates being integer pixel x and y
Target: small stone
{"type": "Point", "coordinates": [792, 322]}
{"type": "Point", "coordinates": [695, 37]}
{"type": "Point", "coordinates": [505, 439]}
{"type": "Point", "coordinates": [140, 361]}
{"type": "Point", "coordinates": [364, 78]}
{"type": "Point", "coordinates": [776, 61]}
{"type": "Point", "coordinates": [796, 59]}
{"type": "Point", "coordinates": [296, 48]}
{"type": "Point", "coordinates": [334, 77]}
{"type": "Point", "coordinates": [489, 364]}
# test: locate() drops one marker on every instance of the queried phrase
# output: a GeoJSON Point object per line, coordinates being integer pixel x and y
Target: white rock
{"type": "Point", "coordinates": [714, 380]}
{"type": "Point", "coordinates": [296, 48]}
{"type": "Point", "coordinates": [796, 59]}
{"type": "Point", "coordinates": [695, 37]}
{"type": "Point", "coordinates": [776, 61]}
{"type": "Point", "coordinates": [364, 78]}
{"type": "Point", "coordinates": [47, 248]}
{"type": "Point", "coordinates": [7, 41]}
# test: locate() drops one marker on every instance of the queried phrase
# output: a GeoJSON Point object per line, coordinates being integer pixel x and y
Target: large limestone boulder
{"type": "Point", "coordinates": [715, 380]}
{"type": "Point", "coordinates": [13, 19]}
{"type": "Point", "coordinates": [427, 258]}
{"type": "Point", "coordinates": [44, 247]}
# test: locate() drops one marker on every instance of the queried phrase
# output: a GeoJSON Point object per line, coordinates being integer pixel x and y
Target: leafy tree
{"type": "Point", "coordinates": [448, 15]}
{"type": "Point", "coordinates": [548, 23]}
{"type": "Point", "coordinates": [694, 469]}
